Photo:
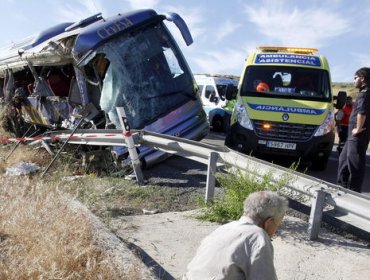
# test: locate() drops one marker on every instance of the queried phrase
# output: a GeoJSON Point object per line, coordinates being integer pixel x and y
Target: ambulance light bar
{"type": "Point", "coordinates": [288, 49]}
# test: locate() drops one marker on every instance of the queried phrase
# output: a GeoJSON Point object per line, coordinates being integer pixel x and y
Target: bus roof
{"type": "Point", "coordinates": [89, 33]}
{"type": "Point", "coordinates": [95, 34]}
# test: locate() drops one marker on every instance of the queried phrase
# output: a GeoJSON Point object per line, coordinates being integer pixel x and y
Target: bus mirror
{"type": "Point", "coordinates": [231, 92]}
{"type": "Point", "coordinates": [340, 99]}
{"type": "Point", "coordinates": [181, 25]}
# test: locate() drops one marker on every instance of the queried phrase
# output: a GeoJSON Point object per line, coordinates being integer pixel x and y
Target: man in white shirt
{"type": "Point", "coordinates": [242, 249]}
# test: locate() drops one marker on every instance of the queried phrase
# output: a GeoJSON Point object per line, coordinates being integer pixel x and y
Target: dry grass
{"type": "Point", "coordinates": [42, 238]}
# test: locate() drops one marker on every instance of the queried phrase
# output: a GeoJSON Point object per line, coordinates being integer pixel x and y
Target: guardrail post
{"type": "Point", "coordinates": [318, 202]}
{"type": "Point", "coordinates": [130, 146]}
{"type": "Point", "coordinates": [211, 180]}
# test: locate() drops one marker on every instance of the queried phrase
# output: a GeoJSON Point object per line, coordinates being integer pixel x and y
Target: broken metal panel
{"type": "Point", "coordinates": [46, 111]}
{"type": "Point", "coordinates": [18, 55]}
{"type": "Point", "coordinates": [41, 88]}
{"type": "Point", "coordinates": [33, 41]}
{"type": "Point", "coordinates": [50, 33]}
{"type": "Point", "coordinates": [8, 85]}
{"type": "Point", "coordinates": [81, 84]}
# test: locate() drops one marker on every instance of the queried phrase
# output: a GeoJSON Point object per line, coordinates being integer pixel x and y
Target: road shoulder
{"type": "Point", "coordinates": [171, 239]}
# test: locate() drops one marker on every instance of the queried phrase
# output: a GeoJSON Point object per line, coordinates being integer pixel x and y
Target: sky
{"type": "Point", "coordinates": [224, 31]}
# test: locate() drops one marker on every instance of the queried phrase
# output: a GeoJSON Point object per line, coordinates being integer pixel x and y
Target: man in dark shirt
{"type": "Point", "coordinates": [352, 160]}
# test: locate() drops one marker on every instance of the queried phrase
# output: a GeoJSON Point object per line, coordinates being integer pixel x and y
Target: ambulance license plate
{"type": "Point", "coordinates": [281, 145]}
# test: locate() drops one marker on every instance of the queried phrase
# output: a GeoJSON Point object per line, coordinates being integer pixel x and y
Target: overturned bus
{"type": "Point", "coordinates": [90, 67]}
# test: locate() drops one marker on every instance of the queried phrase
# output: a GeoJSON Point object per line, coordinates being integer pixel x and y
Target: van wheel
{"type": "Point", "coordinates": [217, 123]}
{"type": "Point", "coordinates": [319, 164]}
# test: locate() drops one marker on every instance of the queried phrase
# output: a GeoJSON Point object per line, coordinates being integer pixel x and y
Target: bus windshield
{"type": "Point", "coordinates": [287, 82]}
{"type": "Point", "coordinates": [145, 75]}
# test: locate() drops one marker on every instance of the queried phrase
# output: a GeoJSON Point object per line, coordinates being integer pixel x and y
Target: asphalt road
{"type": "Point", "coordinates": [296, 258]}
{"type": "Point", "coordinates": [182, 172]}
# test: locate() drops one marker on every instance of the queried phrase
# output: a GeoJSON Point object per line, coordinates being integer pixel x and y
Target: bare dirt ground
{"type": "Point", "coordinates": [168, 241]}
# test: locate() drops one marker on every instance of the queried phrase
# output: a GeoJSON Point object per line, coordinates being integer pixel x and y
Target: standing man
{"type": "Point", "coordinates": [242, 250]}
{"type": "Point", "coordinates": [342, 119]}
{"type": "Point", "coordinates": [352, 160]}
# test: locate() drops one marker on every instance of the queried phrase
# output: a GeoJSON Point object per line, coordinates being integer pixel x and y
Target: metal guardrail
{"type": "Point", "coordinates": [348, 206]}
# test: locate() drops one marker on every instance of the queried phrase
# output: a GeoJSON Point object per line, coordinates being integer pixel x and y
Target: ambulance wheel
{"type": "Point", "coordinates": [319, 164]}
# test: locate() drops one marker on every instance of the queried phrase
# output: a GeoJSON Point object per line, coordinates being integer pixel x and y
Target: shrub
{"type": "Point", "coordinates": [235, 186]}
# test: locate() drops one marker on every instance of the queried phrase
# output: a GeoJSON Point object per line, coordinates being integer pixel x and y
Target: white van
{"type": "Point", "coordinates": [212, 90]}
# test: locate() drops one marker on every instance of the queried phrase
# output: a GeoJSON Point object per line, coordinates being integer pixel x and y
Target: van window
{"type": "Point", "coordinates": [210, 90]}
{"type": "Point", "coordinates": [287, 82]}
{"type": "Point", "coordinates": [222, 91]}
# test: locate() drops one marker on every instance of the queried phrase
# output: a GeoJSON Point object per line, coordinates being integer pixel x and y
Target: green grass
{"type": "Point", "coordinates": [235, 187]}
